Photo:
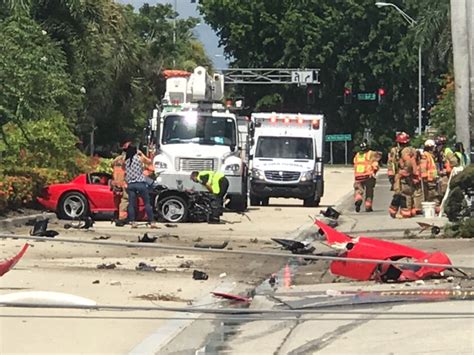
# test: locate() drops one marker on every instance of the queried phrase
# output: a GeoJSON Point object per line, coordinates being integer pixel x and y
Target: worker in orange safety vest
{"type": "Point", "coordinates": [366, 166]}
{"type": "Point", "coordinates": [429, 174]}
{"type": "Point", "coordinates": [405, 180]}
{"type": "Point", "coordinates": [119, 187]}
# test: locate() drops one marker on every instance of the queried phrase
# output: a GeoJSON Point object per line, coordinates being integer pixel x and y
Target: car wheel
{"type": "Point", "coordinates": [311, 202]}
{"type": "Point", "coordinates": [254, 200]}
{"type": "Point", "coordinates": [173, 209]}
{"type": "Point", "coordinates": [73, 205]}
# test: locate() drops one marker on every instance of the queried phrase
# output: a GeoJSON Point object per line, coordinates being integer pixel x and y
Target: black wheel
{"type": "Point", "coordinates": [254, 200]}
{"type": "Point", "coordinates": [238, 203]}
{"type": "Point", "coordinates": [265, 201]}
{"type": "Point", "coordinates": [311, 201]}
{"type": "Point", "coordinates": [73, 205]}
{"type": "Point", "coordinates": [173, 209]}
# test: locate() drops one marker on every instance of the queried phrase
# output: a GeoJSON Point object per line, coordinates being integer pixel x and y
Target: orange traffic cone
{"type": "Point", "coordinates": [287, 277]}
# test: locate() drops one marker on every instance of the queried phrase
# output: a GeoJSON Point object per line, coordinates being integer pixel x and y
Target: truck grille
{"type": "Point", "coordinates": [191, 164]}
{"type": "Point", "coordinates": [275, 175]}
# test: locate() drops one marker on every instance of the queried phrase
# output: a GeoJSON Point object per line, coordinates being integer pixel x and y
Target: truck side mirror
{"type": "Point", "coordinates": [232, 147]}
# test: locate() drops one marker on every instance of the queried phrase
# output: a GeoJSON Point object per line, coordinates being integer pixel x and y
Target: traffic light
{"type": "Point", "coordinates": [310, 95]}
{"type": "Point", "coordinates": [381, 95]}
{"type": "Point", "coordinates": [347, 96]}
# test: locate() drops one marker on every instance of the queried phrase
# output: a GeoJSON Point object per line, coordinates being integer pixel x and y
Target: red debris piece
{"type": "Point", "coordinates": [369, 248]}
{"type": "Point", "coordinates": [232, 297]}
{"type": "Point", "coordinates": [8, 264]}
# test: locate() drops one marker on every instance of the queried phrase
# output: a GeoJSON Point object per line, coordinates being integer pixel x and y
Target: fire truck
{"type": "Point", "coordinates": [286, 157]}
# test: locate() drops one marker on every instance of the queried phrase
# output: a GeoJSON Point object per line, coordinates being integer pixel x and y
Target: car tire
{"type": "Point", "coordinates": [238, 203]}
{"type": "Point", "coordinates": [173, 209]}
{"type": "Point", "coordinates": [73, 205]}
{"type": "Point", "coordinates": [265, 201]}
{"type": "Point", "coordinates": [311, 201]}
{"type": "Point", "coordinates": [254, 200]}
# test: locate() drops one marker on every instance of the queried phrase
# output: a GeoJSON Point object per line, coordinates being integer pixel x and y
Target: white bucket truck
{"type": "Point", "coordinates": [194, 132]}
{"type": "Point", "coordinates": [286, 157]}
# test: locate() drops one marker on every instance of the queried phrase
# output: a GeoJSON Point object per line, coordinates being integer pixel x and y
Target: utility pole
{"type": "Point", "coordinates": [174, 31]}
{"type": "Point", "coordinates": [462, 65]}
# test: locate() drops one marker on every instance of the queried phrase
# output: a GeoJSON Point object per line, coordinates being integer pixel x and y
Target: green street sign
{"type": "Point", "coordinates": [366, 96]}
{"type": "Point", "coordinates": [338, 137]}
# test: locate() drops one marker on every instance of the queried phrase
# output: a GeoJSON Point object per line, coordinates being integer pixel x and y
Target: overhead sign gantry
{"type": "Point", "coordinates": [270, 76]}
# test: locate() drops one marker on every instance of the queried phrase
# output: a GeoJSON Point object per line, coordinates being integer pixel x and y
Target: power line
{"type": "Point", "coordinates": [235, 252]}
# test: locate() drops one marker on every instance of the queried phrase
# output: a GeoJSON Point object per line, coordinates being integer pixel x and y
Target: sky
{"type": "Point", "coordinates": [203, 32]}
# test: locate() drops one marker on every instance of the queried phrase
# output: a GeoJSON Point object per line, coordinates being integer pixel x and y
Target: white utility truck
{"type": "Point", "coordinates": [286, 157]}
{"type": "Point", "coordinates": [194, 132]}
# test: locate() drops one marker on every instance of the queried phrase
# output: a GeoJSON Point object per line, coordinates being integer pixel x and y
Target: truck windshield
{"type": "Point", "coordinates": [284, 147]}
{"type": "Point", "coordinates": [202, 130]}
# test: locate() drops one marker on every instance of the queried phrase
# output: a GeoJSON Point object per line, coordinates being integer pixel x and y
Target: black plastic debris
{"type": "Point", "coordinates": [147, 239]}
{"type": "Point", "coordinates": [102, 237]}
{"type": "Point", "coordinates": [145, 267]}
{"type": "Point", "coordinates": [330, 213]}
{"type": "Point", "coordinates": [169, 225]}
{"type": "Point", "coordinates": [40, 229]}
{"type": "Point", "coordinates": [295, 246]}
{"type": "Point", "coordinates": [95, 282]}
{"type": "Point", "coordinates": [107, 266]}
{"type": "Point", "coordinates": [272, 280]}
{"type": "Point", "coordinates": [200, 275]}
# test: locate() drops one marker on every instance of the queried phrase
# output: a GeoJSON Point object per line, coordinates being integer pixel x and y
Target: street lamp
{"type": "Point", "coordinates": [412, 23]}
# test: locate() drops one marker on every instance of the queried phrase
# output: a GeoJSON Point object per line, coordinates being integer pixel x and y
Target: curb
{"type": "Point", "coordinates": [22, 220]}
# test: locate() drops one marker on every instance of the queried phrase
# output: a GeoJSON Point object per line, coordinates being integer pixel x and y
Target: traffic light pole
{"type": "Point", "coordinates": [420, 91]}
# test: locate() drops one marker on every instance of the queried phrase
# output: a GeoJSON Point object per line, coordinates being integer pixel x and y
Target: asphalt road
{"type": "Point", "coordinates": [73, 269]}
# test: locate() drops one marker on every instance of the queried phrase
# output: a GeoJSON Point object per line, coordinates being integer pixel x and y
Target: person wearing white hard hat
{"type": "Point", "coordinates": [429, 173]}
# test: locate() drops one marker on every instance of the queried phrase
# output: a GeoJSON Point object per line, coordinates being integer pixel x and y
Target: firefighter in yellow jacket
{"type": "Point", "coordinates": [365, 168]}
{"type": "Point", "coordinates": [429, 173]}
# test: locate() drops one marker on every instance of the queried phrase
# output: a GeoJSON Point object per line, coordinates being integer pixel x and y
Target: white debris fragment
{"type": "Point", "coordinates": [419, 282]}
{"type": "Point", "coordinates": [450, 279]}
{"type": "Point", "coordinates": [223, 275]}
{"type": "Point", "coordinates": [115, 283]}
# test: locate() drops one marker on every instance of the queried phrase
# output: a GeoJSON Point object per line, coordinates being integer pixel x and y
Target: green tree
{"type": "Point", "coordinates": [352, 42]}
{"type": "Point", "coordinates": [32, 72]}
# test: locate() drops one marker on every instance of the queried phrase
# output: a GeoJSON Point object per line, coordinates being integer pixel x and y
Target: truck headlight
{"type": "Point", "coordinates": [232, 168]}
{"type": "Point", "coordinates": [258, 174]}
{"type": "Point", "coordinates": [159, 165]}
{"type": "Point", "coordinates": [307, 175]}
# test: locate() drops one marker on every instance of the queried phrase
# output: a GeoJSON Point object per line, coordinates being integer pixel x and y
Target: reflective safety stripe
{"type": "Point", "coordinates": [460, 156]}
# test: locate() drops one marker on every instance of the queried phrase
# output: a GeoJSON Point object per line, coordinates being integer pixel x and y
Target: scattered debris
{"type": "Point", "coordinates": [40, 229]}
{"type": "Point", "coordinates": [159, 297]}
{"type": "Point", "coordinates": [222, 275]}
{"type": "Point", "coordinates": [197, 240]}
{"type": "Point", "coordinates": [8, 264]}
{"type": "Point", "coordinates": [330, 213]}
{"type": "Point", "coordinates": [212, 246]}
{"type": "Point", "coordinates": [147, 239]}
{"type": "Point", "coordinates": [278, 209]}
{"type": "Point", "coordinates": [272, 280]}
{"type": "Point", "coordinates": [186, 265]}
{"type": "Point", "coordinates": [107, 266]}
{"type": "Point", "coordinates": [95, 282]}
{"type": "Point", "coordinates": [179, 257]}
{"type": "Point", "coordinates": [145, 267]}
{"type": "Point", "coordinates": [435, 230]}
{"type": "Point", "coordinates": [102, 237]}
{"type": "Point", "coordinates": [200, 275]}
{"type": "Point", "coordinates": [419, 282]}
{"type": "Point", "coordinates": [169, 225]}
{"type": "Point", "coordinates": [450, 279]}
{"type": "Point", "coordinates": [255, 241]}
{"type": "Point", "coordinates": [115, 283]}
{"type": "Point", "coordinates": [296, 247]}
{"type": "Point", "coordinates": [87, 223]}
{"type": "Point", "coordinates": [229, 296]}
{"type": "Point", "coordinates": [168, 235]}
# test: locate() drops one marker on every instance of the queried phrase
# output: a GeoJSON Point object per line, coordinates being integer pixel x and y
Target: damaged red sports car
{"type": "Point", "coordinates": [84, 195]}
